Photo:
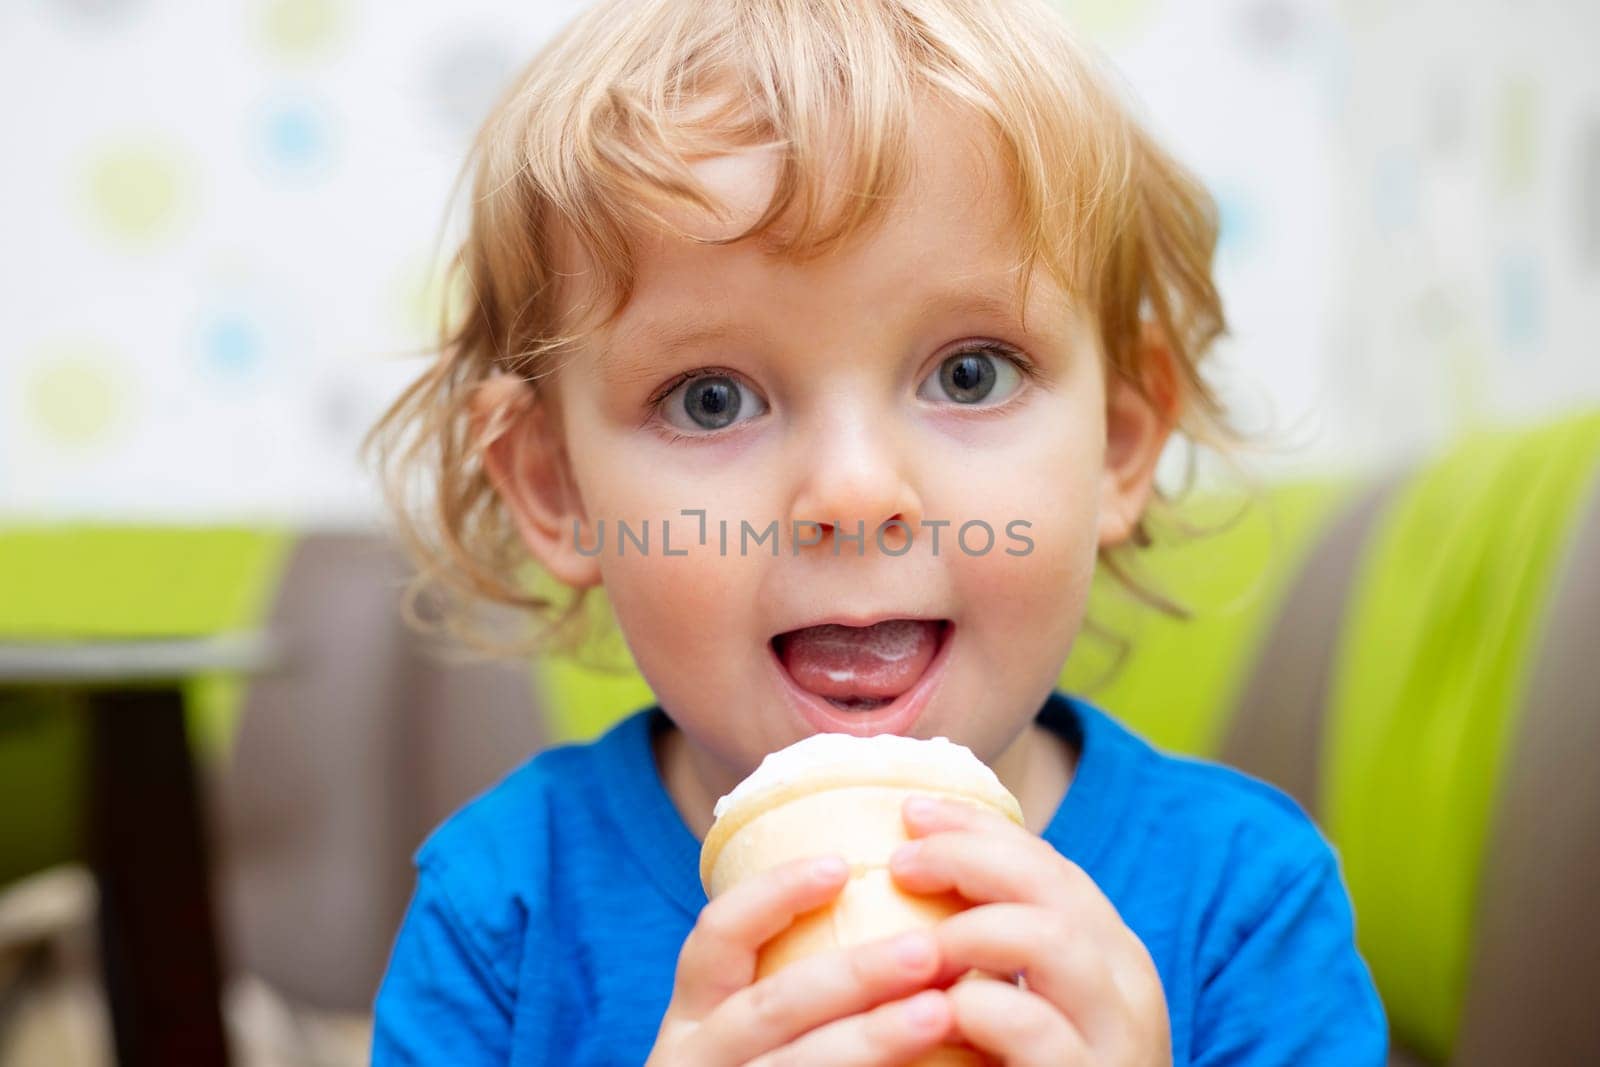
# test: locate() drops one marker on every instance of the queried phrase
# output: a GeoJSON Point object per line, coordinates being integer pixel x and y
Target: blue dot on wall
{"type": "Point", "coordinates": [231, 343]}
{"type": "Point", "coordinates": [104, 11]}
{"type": "Point", "coordinates": [246, 326]}
{"type": "Point", "coordinates": [1236, 221]}
{"type": "Point", "coordinates": [1521, 301]}
{"type": "Point", "coordinates": [1394, 191]}
{"type": "Point", "coordinates": [1332, 65]}
{"type": "Point", "coordinates": [293, 139]}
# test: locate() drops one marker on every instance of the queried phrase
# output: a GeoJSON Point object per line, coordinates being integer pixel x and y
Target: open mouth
{"type": "Point", "coordinates": [861, 668]}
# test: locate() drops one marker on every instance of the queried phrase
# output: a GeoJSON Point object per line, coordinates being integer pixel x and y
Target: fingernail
{"type": "Point", "coordinates": [905, 854]}
{"type": "Point", "coordinates": [914, 949]}
{"type": "Point", "coordinates": [923, 1011]}
{"type": "Point", "coordinates": [922, 807]}
{"type": "Point", "coordinates": [829, 869]}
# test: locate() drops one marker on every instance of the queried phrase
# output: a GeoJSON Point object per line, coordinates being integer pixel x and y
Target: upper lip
{"type": "Point", "coordinates": [859, 619]}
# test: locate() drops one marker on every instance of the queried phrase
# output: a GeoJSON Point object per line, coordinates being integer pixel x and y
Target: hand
{"type": "Point", "coordinates": [837, 1007]}
{"type": "Point", "coordinates": [1092, 994]}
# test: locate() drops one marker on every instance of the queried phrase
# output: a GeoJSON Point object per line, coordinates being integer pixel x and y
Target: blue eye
{"type": "Point", "coordinates": [970, 377]}
{"type": "Point", "coordinates": [709, 402]}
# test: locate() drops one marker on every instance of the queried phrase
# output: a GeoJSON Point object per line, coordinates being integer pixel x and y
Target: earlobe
{"type": "Point", "coordinates": [1137, 430]}
{"type": "Point", "coordinates": [520, 444]}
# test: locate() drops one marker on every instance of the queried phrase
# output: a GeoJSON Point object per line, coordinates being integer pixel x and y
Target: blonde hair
{"type": "Point", "coordinates": [596, 132]}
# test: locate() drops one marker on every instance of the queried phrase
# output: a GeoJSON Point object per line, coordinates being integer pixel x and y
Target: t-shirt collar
{"type": "Point", "coordinates": [645, 815]}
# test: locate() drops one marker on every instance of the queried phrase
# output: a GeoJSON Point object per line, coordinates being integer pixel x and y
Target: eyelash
{"type": "Point", "coordinates": [1024, 366]}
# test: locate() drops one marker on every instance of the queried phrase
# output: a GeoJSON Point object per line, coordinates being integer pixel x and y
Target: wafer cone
{"type": "Point", "coordinates": [854, 811]}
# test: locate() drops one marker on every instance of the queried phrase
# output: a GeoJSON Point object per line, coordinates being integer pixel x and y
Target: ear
{"type": "Point", "coordinates": [1137, 430]}
{"type": "Point", "coordinates": [518, 437]}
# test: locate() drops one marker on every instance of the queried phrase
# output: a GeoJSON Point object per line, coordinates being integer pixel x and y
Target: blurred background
{"type": "Point", "coordinates": [225, 223]}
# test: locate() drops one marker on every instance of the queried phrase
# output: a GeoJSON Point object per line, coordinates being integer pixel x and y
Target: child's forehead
{"type": "Point", "coordinates": [950, 230]}
{"type": "Point", "coordinates": [953, 166]}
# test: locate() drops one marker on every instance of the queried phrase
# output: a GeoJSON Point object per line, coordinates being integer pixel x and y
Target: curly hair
{"type": "Point", "coordinates": [596, 133]}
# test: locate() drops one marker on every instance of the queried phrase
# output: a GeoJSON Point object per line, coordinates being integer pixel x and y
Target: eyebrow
{"type": "Point", "coordinates": [645, 347]}
{"type": "Point", "coordinates": [671, 334]}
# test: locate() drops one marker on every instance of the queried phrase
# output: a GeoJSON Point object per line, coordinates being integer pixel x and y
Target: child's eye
{"type": "Point", "coordinates": [973, 375]}
{"type": "Point", "coordinates": [709, 401]}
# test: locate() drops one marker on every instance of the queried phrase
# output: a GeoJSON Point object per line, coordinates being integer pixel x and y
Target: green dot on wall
{"type": "Point", "coordinates": [1516, 155]}
{"type": "Point", "coordinates": [75, 393]}
{"type": "Point", "coordinates": [1467, 380]}
{"type": "Point", "coordinates": [425, 303]}
{"type": "Point", "coordinates": [1109, 19]}
{"type": "Point", "coordinates": [300, 29]}
{"type": "Point", "coordinates": [1362, 14]}
{"type": "Point", "coordinates": [136, 193]}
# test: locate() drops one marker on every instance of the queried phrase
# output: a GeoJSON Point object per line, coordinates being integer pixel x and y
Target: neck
{"type": "Point", "coordinates": [1037, 768]}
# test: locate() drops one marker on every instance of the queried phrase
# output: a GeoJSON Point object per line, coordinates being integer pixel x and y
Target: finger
{"type": "Point", "coordinates": [816, 990]}
{"type": "Point", "coordinates": [891, 1033]}
{"type": "Point", "coordinates": [718, 958]}
{"type": "Point", "coordinates": [999, 866]}
{"type": "Point", "coordinates": [1031, 872]}
{"type": "Point", "coordinates": [1017, 1027]}
{"type": "Point", "coordinates": [1137, 976]}
{"type": "Point", "coordinates": [928, 813]}
{"type": "Point", "coordinates": [1066, 968]}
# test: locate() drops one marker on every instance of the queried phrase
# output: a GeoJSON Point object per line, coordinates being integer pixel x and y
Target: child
{"type": "Point", "coordinates": [869, 320]}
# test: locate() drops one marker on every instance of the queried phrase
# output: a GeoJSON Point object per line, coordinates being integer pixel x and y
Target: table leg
{"type": "Point", "coordinates": [147, 845]}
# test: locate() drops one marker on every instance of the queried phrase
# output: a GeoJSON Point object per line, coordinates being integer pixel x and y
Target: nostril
{"type": "Point", "coordinates": [896, 532]}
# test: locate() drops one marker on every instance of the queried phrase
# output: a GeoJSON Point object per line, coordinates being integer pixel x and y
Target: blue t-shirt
{"type": "Point", "coordinates": [549, 911]}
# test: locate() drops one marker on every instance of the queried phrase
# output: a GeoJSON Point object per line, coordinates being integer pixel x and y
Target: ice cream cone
{"type": "Point", "coordinates": [842, 795]}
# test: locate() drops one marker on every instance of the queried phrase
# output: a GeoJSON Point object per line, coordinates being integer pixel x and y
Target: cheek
{"type": "Point", "coordinates": [1034, 601]}
{"type": "Point", "coordinates": [1044, 472]}
{"type": "Point", "coordinates": [686, 617]}
{"type": "Point", "coordinates": [673, 610]}
{"type": "Point", "coordinates": [699, 596]}
{"type": "Point", "coordinates": [1032, 585]}
{"type": "Point", "coordinates": [690, 625]}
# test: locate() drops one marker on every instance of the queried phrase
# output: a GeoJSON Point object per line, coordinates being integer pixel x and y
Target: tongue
{"type": "Point", "coordinates": [877, 662]}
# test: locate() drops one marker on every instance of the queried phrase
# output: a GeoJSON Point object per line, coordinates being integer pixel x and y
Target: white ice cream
{"type": "Point", "coordinates": [840, 754]}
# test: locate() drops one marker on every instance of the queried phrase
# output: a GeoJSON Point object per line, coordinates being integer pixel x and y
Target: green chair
{"type": "Point", "coordinates": [318, 777]}
{"type": "Point", "coordinates": [109, 639]}
{"type": "Point", "coordinates": [90, 581]}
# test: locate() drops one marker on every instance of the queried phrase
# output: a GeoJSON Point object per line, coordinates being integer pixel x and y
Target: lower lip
{"type": "Point", "coordinates": [895, 717]}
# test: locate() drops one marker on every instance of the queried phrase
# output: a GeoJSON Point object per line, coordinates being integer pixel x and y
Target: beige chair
{"type": "Point", "coordinates": [343, 761]}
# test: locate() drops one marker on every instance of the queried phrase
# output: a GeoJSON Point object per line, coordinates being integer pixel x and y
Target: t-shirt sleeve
{"type": "Point", "coordinates": [1288, 984]}
{"type": "Point", "coordinates": [440, 1000]}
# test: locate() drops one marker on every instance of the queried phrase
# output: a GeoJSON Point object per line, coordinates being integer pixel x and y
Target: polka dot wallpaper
{"type": "Point", "coordinates": [221, 223]}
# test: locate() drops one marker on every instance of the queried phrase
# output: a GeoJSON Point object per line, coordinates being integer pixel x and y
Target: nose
{"type": "Point", "coordinates": [856, 479]}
